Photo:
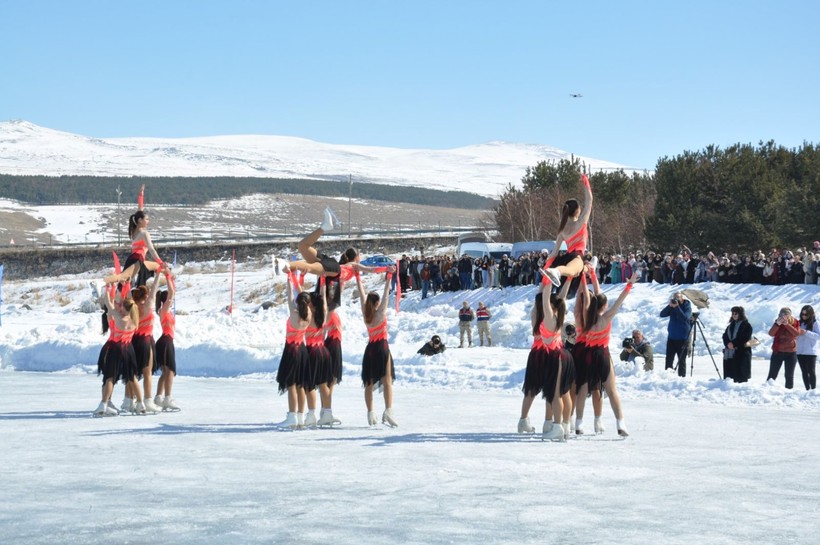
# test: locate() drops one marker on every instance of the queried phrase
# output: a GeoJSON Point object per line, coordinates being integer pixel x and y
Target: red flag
{"type": "Point", "coordinates": [117, 266]}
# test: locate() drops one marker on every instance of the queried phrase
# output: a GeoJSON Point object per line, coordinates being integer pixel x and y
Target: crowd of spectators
{"type": "Point", "coordinates": [779, 266]}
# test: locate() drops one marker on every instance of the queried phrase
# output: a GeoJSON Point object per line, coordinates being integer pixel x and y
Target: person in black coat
{"type": "Point", "coordinates": [737, 355]}
{"type": "Point", "coordinates": [432, 347]}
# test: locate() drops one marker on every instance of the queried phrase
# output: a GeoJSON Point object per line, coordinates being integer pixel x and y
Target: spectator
{"type": "Point", "coordinates": [679, 312]}
{"type": "Point", "coordinates": [570, 336]}
{"type": "Point", "coordinates": [483, 322]}
{"type": "Point", "coordinates": [785, 330]}
{"type": "Point", "coordinates": [685, 269]}
{"type": "Point", "coordinates": [638, 347]}
{"type": "Point", "coordinates": [465, 270]}
{"type": "Point", "coordinates": [466, 315]}
{"type": "Point", "coordinates": [737, 353]}
{"type": "Point", "coordinates": [432, 347]}
{"type": "Point", "coordinates": [503, 271]}
{"type": "Point", "coordinates": [807, 346]}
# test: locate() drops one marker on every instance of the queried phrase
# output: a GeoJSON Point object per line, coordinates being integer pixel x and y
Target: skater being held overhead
{"type": "Point", "coordinates": [137, 265]}
{"type": "Point", "coordinates": [574, 231]}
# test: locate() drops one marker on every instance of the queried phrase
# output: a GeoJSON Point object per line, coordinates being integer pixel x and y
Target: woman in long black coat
{"type": "Point", "coordinates": [737, 355]}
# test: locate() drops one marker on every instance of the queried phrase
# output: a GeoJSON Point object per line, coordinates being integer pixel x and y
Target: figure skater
{"type": "Point", "coordinates": [377, 362]}
{"type": "Point", "coordinates": [318, 356]}
{"type": "Point", "coordinates": [165, 352]}
{"type": "Point", "coordinates": [559, 374]}
{"type": "Point", "coordinates": [534, 373]}
{"type": "Point", "coordinates": [117, 360]}
{"type": "Point", "coordinates": [574, 231]}
{"type": "Point", "coordinates": [294, 357]}
{"type": "Point", "coordinates": [599, 373]}
{"type": "Point", "coordinates": [333, 343]}
{"type": "Point", "coordinates": [143, 341]}
{"type": "Point", "coordinates": [137, 265]}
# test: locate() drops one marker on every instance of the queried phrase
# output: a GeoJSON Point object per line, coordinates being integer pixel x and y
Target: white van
{"type": "Point", "coordinates": [482, 249]}
{"type": "Point", "coordinates": [520, 248]}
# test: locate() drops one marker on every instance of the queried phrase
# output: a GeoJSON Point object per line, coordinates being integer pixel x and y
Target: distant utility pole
{"type": "Point", "coordinates": [119, 193]}
{"type": "Point", "coordinates": [349, 203]}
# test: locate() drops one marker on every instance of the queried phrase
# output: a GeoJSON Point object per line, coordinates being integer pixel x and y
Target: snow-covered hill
{"type": "Point", "coordinates": [486, 169]}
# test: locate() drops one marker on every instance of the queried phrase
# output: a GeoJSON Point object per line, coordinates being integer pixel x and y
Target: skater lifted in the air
{"type": "Point", "coordinates": [574, 231]}
{"type": "Point", "coordinates": [141, 246]}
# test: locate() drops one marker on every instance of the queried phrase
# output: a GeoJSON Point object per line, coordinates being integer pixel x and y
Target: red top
{"type": "Point", "coordinates": [120, 336]}
{"type": "Point", "coordinates": [315, 336]}
{"type": "Point", "coordinates": [146, 326]}
{"type": "Point", "coordinates": [578, 241]}
{"type": "Point", "coordinates": [168, 322]}
{"type": "Point", "coordinates": [537, 343]}
{"type": "Point", "coordinates": [785, 336]}
{"type": "Point", "coordinates": [600, 338]}
{"type": "Point", "coordinates": [346, 273]}
{"type": "Point", "coordinates": [333, 327]}
{"type": "Point", "coordinates": [293, 335]}
{"type": "Point", "coordinates": [139, 247]}
{"type": "Point", "coordinates": [379, 332]}
{"type": "Point", "coordinates": [551, 339]}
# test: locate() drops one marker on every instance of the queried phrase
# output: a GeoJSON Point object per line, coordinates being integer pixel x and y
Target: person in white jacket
{"type": "Point", "coordinates": [807, 346]}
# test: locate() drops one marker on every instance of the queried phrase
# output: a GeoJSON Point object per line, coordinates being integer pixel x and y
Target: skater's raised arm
{"type": "Point", "coordinates": [611, 311]}
{"type": "Point", "coordinates": [586, 210]}
{"type": "Point", "coordinates": [386, 295]}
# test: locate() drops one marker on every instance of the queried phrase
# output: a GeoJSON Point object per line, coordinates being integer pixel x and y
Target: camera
{"type": "Point", "coordinates": [627, 343]}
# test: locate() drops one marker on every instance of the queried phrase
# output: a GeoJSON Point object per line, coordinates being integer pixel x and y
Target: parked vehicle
{"type": "Point", "coordinates": [378, 260]}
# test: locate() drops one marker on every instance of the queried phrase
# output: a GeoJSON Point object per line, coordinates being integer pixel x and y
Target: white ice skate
{"type": "Point", "coordinates": [169, 404]}
{"type": "Point", "coordinates": [127, 405]}
{"type": "Point", "coordinates": [150, 406]}
{"type": "Point", "coordinates": [310, 419]}
{"type": "Point", "coordinates": [622, 429]}
{"type": "Point", "coordinates": [552, 431]}
{"type": "Point", "coordinates": [110, 405]}
{"type": "Point", "coordinates": [553, 275]}
{"type": "Point", "coordinates": [524, 426]}
{"type": "Point", "coordinates": [387, 418]}
{"type": "Point", "coordinates": [139, 408]}
{"type": "Point", "coordinates": [599, 425]}
{"type": "Point", "coordinates": [579, 426]}
{"type": "Point", "coordinates": [329, 223]}
{"type": "Point", "coordinates": [371, 418]}
{"type": "Point", "coordinates": [326, 419]}
{"type": "Point", "coordinates": [159, 401]}
{"type": "Point", "coordinates": [289, 422]}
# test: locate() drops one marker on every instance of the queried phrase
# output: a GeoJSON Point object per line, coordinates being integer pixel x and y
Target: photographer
{"type": "Point", "coordinates": [637, 346]}
{"type": "Point", "coordinates": [432, 347]}
{"type": "Point", "coordinates": [679, 312]}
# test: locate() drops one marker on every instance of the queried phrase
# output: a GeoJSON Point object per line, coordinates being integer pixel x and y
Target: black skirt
{"type": "Point", "coordinates": [330, 265]}
{"type": "Point", "coordinates": [144, 350]}
{"type": "Point", "coordinates": [317, 368]}
{"type": "Point", "coordinates": [535, 374]}
{"type": "Point", "coordinates": [597, 366]}
{"type": "Point", "coordinates": [375, 362]}
{"type": "Point", "coordinates": [143, 273]}
{"type": "Point", "coordinates": [165, 355]}
{"type": "Point", "coordinates": [554, 359]}
{"type": "Point", "coordinates": [292, 366]}
{"type": "Point", "coordinates": [334, 349]}
{"type": "Point", "coordinates": [109, 361]}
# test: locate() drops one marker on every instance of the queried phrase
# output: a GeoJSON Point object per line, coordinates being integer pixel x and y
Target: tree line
{"type": "Point", "coordinates": [42, 190]}
{"type": "Point", "coordinates": [743, 197]}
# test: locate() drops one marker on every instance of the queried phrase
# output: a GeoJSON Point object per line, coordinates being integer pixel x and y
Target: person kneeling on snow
{"type": "Point", "coordinates": [638, 346]}
{"type": "Point", "coordinates": [432, 347]}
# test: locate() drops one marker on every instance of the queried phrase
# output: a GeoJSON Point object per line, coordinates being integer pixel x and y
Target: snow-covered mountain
{"type": "Point", "coordinates": [486, 169]}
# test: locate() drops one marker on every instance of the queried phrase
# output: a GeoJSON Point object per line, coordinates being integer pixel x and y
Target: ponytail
{"type": "Point", "coordinates": [595, 304]}
{"type": "Point", "coordinates": [132, 223]}
{"type": "Point", "coordinates": [539, 312]}
{"type": "Point", "coordinates": [560, 308]}
{"type": "Point", "coordinates": [105, 321]}
{"type": "Point", "coordinates": [302, 305]}
{"type": "Point", "coordinates": [370, 306]}
{"type": "Point", "coordinates": [569, 209]}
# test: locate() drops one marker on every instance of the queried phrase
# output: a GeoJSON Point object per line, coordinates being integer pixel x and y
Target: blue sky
{"type": "Point", "coordinates": [658, 78]}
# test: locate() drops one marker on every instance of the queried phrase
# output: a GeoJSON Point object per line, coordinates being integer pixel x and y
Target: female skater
{"type": "Point", "coordinates": [293, 363]}
{"type": "Point", "coordinates": [318, 356]}
{"type": "Point", "coordinates": [321, 264]}
{"type": "Point", "coordinates": [377, 362]}
{"type": "Point", "coordinates": [573, 230]}
{"type": "Point", "coordinates": [143, 341]}
{"type": "Point", "coordinates": [534, 374]}
{"type": "Point", "coordinates": [333, 343]}
{"type": "Point", "coordinates": [141, 245]}
{"type": "Point", "coordinates": [559, 375]}
{"type": "Point", "coordinates": [165, 352]}
{"type": "Point", "coordinates": [117, 360]}
{"type": "Point", "coordinates": [598, 372]}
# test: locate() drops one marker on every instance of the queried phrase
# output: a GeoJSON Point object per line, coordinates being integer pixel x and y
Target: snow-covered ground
{"type": "Point", "coordinates": [707, 460]}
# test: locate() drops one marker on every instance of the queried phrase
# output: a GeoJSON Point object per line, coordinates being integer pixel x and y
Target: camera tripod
{"type": "Point", "coordinates": [695, 325]}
